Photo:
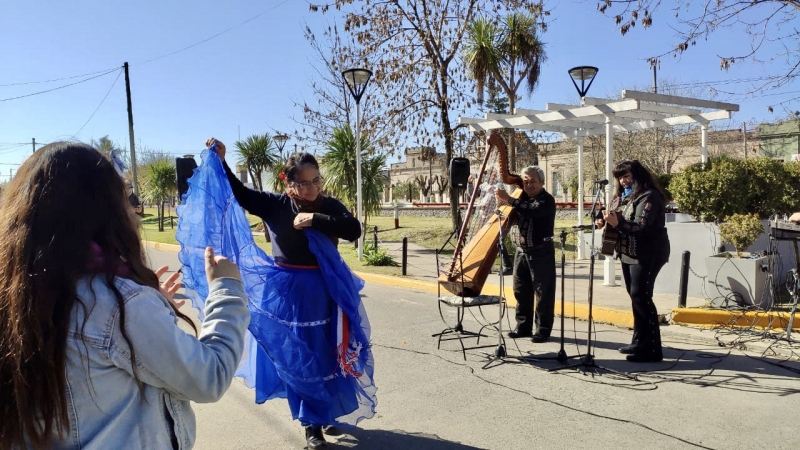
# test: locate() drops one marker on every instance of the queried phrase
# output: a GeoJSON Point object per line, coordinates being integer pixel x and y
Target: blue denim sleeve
{"type": "Point", "coordinates": [192, 368]}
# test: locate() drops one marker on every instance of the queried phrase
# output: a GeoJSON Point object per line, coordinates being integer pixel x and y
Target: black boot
{"type": "Point", "coordinates": [314, 438]}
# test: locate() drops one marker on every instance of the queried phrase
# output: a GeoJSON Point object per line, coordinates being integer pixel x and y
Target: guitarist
{"type": "Point", "coordinates": [643, 248]}
{"type": "Point", "coordinates": [534, 261]}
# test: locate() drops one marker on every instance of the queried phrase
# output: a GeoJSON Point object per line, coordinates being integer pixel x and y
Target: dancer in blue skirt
{"type": "Point", "coordinates": [307, 319]}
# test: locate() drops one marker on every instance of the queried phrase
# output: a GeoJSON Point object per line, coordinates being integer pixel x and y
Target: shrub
{"type": "Point", "coordinates": [728, 186]}
{"type": "Point", "coordinates": [741, 230]}
{"type": "Point", "coordinates": [377, 256]}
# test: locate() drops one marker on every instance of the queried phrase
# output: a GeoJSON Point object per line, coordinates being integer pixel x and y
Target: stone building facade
{"type": "Point", "coordinates": [677, 148]}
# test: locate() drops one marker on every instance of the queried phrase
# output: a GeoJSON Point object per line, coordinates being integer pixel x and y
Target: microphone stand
{"type": "Point", "coordinates": [588, 359]}
{"type": "Point", "coordinates": [500, 350]}
{"type": "Point", "coordinates": [562, 354]}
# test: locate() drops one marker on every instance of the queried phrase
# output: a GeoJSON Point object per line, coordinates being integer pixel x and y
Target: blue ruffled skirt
{"type": "Point", "coordinates": [308, 339]}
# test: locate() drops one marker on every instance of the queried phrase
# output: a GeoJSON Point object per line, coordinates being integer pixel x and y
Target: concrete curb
{"type": "Point", "coordinates": [599, 314]}
{"type": "Point", "coordinates": [162, 246]}
{"type": "Point", "coordinates": [714, 317]}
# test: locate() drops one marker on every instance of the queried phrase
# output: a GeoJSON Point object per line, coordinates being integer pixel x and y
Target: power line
{"type": "Point", "coordinates": [214, 36]}
{"type": "Point", "coordinates": [58, 79]}
{"type": "Point", "coordinates": [98, 106]}
{"type": "Point", "coordinates": [740, 80]}
{"type": "Point", "coordinates": [60, 87]}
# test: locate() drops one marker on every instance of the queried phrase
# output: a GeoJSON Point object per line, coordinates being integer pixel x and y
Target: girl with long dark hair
{"type": "Point", "coordinates": [91, 354]}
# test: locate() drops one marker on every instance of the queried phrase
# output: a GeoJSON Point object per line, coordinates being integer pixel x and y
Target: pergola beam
{"type": "Point", "coordinates": [675, 100]}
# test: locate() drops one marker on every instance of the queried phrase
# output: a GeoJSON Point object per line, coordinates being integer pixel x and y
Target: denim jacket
{"type": "Point", "coordinates": [106, 407]}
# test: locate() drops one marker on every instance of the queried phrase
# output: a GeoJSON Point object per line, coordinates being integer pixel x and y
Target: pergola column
{"type": "Point", "coordinates": [704, 142]}
{"type": "Point", "coordinates": [609, 275]}
{"type": "Point", "coordinates": [580, 198]}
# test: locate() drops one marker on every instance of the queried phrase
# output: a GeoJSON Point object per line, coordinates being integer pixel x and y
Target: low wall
{"type": "Point", "coordinates": [439, 210]}
{"type": "Point", "coordinates": [701, 240]}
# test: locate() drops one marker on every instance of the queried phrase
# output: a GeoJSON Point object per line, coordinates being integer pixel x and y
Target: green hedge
{"type": "Point", "coordinates": [727, 186]}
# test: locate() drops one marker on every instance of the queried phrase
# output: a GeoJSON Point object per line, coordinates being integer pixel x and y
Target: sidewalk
{"type": "Point", "coordinates": [610, 304]}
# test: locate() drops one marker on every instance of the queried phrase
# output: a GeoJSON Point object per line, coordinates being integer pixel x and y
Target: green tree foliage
{"type": "Point", "coordinates": [339, 170]}
{"type": "Point", "coordinates": [741, 230]}
{"type": "Point", "coordinates": [728, 186]}
{"type": "Point", "coordinates": [160, 184]}
{"type": "Point", "coordinates": [258, 154]}
{"type": "Point", "coordinates": [508, 55]}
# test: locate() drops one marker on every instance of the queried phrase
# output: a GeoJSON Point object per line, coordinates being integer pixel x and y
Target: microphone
{"type": "Point", "coordinates": [601, 182]}
{"type": "Point", "coordinates": [500, 213]}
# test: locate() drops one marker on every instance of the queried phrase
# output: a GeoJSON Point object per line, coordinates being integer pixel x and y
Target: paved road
{"type": "Point", "coordinates": [701, 396]}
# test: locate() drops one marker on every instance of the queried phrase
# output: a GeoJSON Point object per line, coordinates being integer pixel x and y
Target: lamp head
{"type": "Point", "coordinates": [583, 74]}
{"type": "Point", "coordinates": [280, 139]}
{"type": "Point", "coordinates": [357, 80]}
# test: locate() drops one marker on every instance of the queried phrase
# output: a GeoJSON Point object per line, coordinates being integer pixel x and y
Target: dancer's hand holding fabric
{"type": "Point", "coordinates": [169, 287]}
{"type": "Point", "coordinates": [220, 267]}
{"type": "Point", "coordinates": [220, 148]}
{"type": "Point", "coordinates": [303, 220]}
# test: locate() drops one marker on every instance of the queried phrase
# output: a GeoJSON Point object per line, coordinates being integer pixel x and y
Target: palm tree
{"type": "Point", "coordinates": [258, 154]}
{"type": "Point", "coordinates": [509, 56]}
{"type": "Point", "coordinates": [276, 170]}
{"type": "Point", "coordinates": [160, 184]}
{"type": "Point", "coordinates": [339, 166]}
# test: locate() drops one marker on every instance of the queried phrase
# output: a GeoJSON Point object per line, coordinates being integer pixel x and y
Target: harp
{"type": "Point", "coordinates": [471, 264]}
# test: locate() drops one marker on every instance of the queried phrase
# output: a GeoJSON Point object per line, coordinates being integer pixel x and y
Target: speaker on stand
{"type": "Point", "coordinates": [459, 172]}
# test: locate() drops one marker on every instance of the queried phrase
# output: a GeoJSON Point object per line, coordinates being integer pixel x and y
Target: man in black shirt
{"type": "Point", "coordinates": [534, 261]}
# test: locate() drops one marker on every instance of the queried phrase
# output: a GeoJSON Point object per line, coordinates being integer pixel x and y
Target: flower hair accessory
{"type": "Point", "coordinates": [282, 176]}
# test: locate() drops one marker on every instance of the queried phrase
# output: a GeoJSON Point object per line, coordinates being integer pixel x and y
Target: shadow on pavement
{"type": "Point", "coordinates": [394, 440]}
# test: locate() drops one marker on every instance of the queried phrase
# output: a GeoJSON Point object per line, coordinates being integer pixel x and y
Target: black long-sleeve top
{"type": "Point", "coordinates": [535, 218]}
{"type": "Point", "coordinates": [642, 228]}
{"type": "Point", "coordinates": [289, 245]}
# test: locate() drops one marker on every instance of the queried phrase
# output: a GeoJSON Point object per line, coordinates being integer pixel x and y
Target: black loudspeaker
{"type": "Point", "coordinates": [459, 172]}
{"type": "Point", "coordinates": [184, 168]}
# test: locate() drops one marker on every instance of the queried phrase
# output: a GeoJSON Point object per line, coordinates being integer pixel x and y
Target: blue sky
{"type": "Point", "coordinates": [246, 80]}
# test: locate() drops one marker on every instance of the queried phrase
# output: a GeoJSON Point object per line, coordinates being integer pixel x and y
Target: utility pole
{"type": "Point", "coordinates": [130, 131]}
{"type": "Point", "coordinates": [33, 141]}
{"type": "Point", "coordinates": [655, 81]}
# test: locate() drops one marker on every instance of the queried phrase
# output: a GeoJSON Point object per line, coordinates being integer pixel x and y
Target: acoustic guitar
{"type": "Point", "coordinates": [610, 234]}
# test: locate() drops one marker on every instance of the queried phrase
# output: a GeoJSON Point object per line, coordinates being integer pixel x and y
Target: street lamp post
{"type": "Point", "coordinates": [280, 141]}
{"type": "Point", "coordinates": [356, 80]}
{"type": "Point", "coordinates": [581, 73]}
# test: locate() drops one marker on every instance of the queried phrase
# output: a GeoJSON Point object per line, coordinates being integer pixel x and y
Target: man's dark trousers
{"type": "Point", "coordinates": [535, 272]}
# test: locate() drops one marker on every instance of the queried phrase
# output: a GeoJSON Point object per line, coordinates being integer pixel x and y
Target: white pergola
{"type": "Point", "coordinates": [634, 111]}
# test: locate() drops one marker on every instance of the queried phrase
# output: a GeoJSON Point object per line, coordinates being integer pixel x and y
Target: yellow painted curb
{"type": "Point", "coordinates": [776, 320]}
{"type": "Point", "coordinates": [162, 246]}
{"type": "Point", "coordinates": [580, 311]}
